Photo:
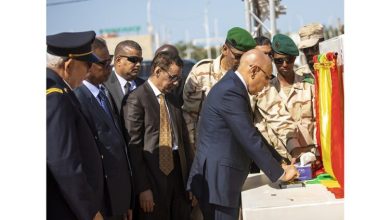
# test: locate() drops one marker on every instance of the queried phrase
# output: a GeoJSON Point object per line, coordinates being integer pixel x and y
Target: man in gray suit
{"type": "Point", "coordinates": [124, 76]}
{"type": "Point", "coordinates": [228, 140]}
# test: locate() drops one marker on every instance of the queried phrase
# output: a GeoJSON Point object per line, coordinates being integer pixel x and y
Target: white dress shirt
{"type": "Point", "coordinates": [123, 82]}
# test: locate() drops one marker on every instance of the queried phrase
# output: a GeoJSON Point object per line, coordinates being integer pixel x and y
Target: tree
{"type": "Point", "coordinates": [197, 53]}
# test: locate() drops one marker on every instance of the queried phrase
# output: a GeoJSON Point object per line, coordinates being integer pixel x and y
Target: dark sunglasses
{"type": "Point", "coordinates": [133, 59]}
{"type": "Point", "coordinates": [105, 63]}
{"type": "Point", "coordinates": [288, 60]}
{"type": "Point", "coordinates": [171, 77]}
{"type": "Point", "coordinates": [313, 49]}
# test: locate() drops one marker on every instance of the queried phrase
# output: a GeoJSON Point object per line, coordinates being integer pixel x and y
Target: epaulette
{"type": "Point", "coordinates": [203, 61]}
{"type": "Point", "coordinates": [51, 90]}
{"type": "Point", "coordinates": [308, 78]}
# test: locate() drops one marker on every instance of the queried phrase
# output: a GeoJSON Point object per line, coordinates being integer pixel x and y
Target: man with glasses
{"type": "Point", "coordinates": [74, 181]}
{"type": "Point", "coordinates": [124, 76]}
{"type": "Point", "coordinates": [159, 146]}
{"type": "Point", "coordinates": [206, 73]}
{"type": "Point", "coordinates": [104, 122]}
{"type": "Point", "coordinates": [284, 111]}
{"type": "Point", "coordinates": [228, 141]}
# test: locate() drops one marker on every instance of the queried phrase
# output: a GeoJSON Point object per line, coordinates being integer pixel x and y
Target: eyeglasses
{"type": "Point", "coordinates": [105, 63]}
{"type": "Point", "coordinates": [267, 77]}
{"type": "Point", "coordinates": [313, 49]}
{"type": "Point", "coordinates": [133, 59]}
{"type": "Point", "coordinates": [173, 78]}
{"type": "Point", "coordinates": [288, 60]}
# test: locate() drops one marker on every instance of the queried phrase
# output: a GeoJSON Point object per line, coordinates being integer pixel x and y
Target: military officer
{"type": "Point", "coordinates": [310, 37]}
{"type": "Point", "coordinates": [74, 168]}
{"type": "Point", "coordinates": [206, 73]}
{"type": "Point", "coordinates": [287, 104]}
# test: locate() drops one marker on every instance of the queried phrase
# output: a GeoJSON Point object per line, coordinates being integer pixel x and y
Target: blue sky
{"type": "Point", "coordinates": [173, 18]}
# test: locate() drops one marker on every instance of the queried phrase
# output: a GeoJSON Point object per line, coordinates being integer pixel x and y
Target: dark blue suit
{"type": "Point", "coordinates": [74, 169]}
{"type": "Point", "coordinates": [113, 150]}
{"type": "Point", "coordinates": [227, 143]}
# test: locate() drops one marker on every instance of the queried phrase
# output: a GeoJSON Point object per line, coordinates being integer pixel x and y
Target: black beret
{"type": "Point", "coordinates": [76, 45]}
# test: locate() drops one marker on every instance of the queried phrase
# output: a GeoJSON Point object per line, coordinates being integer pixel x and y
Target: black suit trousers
{"type": "Point", "coordinates": [172, 203]}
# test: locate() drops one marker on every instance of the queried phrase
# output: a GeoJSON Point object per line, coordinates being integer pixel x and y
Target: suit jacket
{"type": "Point", "coordinates": [114, 87]}
{"type": "Point", "coordinates": [227, 143]}
{"type": "Point", "coordinates": [74, 168]}
{"type": "Point", "coordinates": [142, 121]}
{"type": "Point", "coordinates": [113, 150]}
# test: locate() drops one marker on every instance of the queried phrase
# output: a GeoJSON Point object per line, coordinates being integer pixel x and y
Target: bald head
{"type": "Point", "coordinates": [256, 69]}
{"type": "Point", "coordinates": [255, 57]}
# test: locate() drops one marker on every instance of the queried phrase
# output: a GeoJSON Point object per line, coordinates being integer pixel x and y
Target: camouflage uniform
{"type": "Point", "coordinates": [285, 121]}
{"type": "Point", "coordinates": [204, 75]}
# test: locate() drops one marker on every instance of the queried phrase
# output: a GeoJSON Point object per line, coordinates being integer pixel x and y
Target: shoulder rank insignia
{"type": "Point", "coordinates": [51, 90]}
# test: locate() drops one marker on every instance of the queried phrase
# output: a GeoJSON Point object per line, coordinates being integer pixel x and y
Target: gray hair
{"type": "Point", "coordinates": [54, 62]}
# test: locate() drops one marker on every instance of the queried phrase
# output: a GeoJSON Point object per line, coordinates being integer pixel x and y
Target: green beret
{"type": "Point", "coordinates": [283, 44]}
{"type": "Point", "coordinates": [240, 39]}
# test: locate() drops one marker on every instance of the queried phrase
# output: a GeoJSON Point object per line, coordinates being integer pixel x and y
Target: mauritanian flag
{"type": "Point", "coordinates": [330, 118]}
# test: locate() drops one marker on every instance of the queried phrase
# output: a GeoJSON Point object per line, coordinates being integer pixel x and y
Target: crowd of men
{"type": "Point", "coordinates": [119, 147]}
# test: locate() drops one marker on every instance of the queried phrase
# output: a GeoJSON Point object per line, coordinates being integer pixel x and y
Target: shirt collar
{"type": "Point", "coordinates": [68, 84]}
{"type": "Point", "coordinates": [154, 88]}
{"type": "Point", "coordinates": [94, 89]}
{"type": "Point", "coordinates": [242, 79]}
{"type": "Point", "coordinates": [121, 80]}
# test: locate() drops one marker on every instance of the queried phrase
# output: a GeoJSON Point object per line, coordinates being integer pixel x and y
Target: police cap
{"type": "Point", "coordinates": [240, 39]}
{"type": "Point", "coordinates": [283, 44]}
{"type": "Point", "coordinates": [76, 45]}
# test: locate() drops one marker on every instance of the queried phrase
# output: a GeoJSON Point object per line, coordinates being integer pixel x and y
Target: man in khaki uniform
{"type": "Point", "coordinates": [284, 111]}
{"type": "Point", "coordinates": [206, 73]}
{"type": "Point", "coordinates": [310, 37]}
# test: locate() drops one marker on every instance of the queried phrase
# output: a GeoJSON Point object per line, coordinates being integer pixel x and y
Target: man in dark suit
{"type": "Point", "coordinates": [74, 169]}
{"type": "Point", "coordinates": [110, 140]}
{"type": "Point", "coordinates": [228, 140]}
{"type": "Point", "coordinates": [158, 143]}
{"type": "Point", "coordinates": [127, 65]}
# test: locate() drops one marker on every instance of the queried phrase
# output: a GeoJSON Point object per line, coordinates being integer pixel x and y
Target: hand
{"type": "Point", "coordinates": [298, 151]}
{"type": "Point", "coordinates": [128, 215]}
{"type": "Point", "coordinates": [98, 216]}
{"type": "Point", "coordinates": [146, 200]}
{"type": "Point", "coordinates": [193, 199]}
{"type": "Point", "coordinates": [290, 173]}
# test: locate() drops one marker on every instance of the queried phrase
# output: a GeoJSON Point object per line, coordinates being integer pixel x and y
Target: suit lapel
{"type": "Point", "coordinates": [241, 87]}
{"type": "Point", "coordinates": [152, 100]}
{"type": "Point", "coordinates": [114, 87]}
{"type": "Point", "coordinates": [172, 113]}
{"type": "Point", "coordinates": [95, 107]}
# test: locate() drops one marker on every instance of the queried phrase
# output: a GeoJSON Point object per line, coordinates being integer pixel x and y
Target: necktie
{"type": "Point", "coordinates": [104, 101]}
{"type": "Point", "coordinates": [165, 139]}
{"type": "Point", "coordinates": [127, 88]}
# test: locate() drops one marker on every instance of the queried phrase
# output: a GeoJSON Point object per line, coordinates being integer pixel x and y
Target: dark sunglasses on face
{"type": "Point", "coordinates": [104, 63]}
{"type": "Point", "coordinates": [134, 59]}
{"type": "Point", "coordinates": [313, 49]}
{"type": "Point", "coordinates": [288, 60]}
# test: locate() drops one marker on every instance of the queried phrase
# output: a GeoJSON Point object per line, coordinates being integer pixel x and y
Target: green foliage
{"type": "Point", "coordinates": [196, 53]}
